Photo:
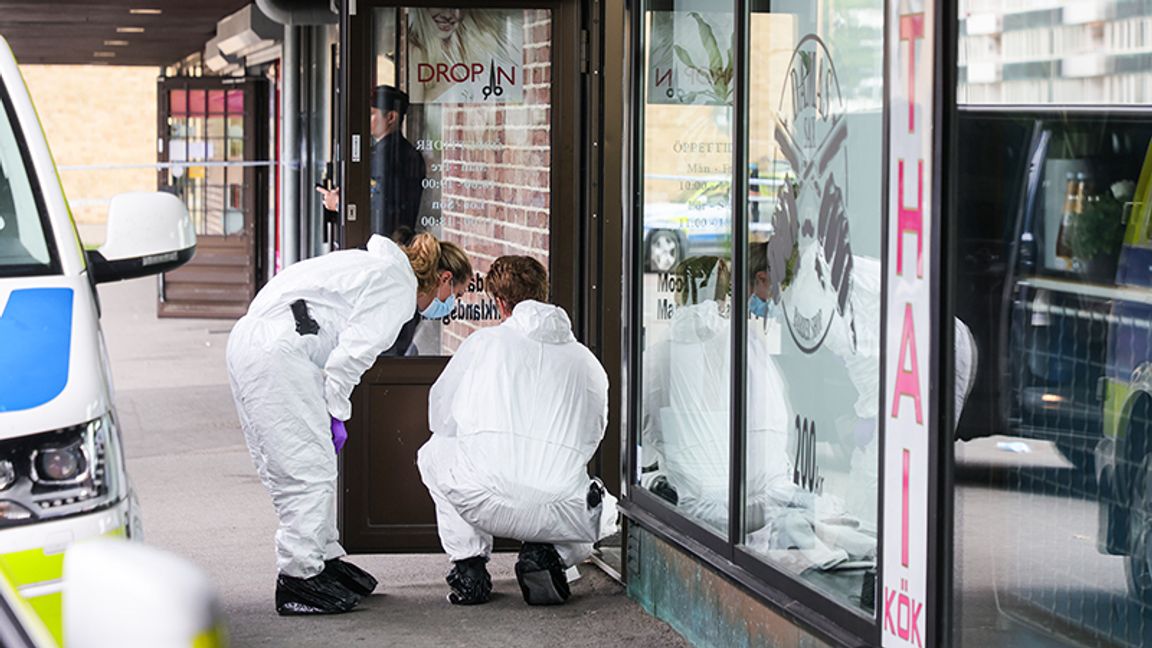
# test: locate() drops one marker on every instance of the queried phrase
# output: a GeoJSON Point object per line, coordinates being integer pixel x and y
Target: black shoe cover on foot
{"type": "Point", "coordinates": [360, 582]}
{"type": "Point", "coordinates": [470, 582]}
{"type": "Point", "coordinates": [540, 573]}
{"type": "Point", "coordinates": [321, 594]}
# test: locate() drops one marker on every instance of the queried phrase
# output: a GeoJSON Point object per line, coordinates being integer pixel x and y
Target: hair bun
{"type": "Point", "coordinates": [424, 255]}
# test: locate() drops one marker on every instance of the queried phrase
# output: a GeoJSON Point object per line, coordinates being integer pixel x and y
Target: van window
{"type": "Point", "coordinates": [25, 247]}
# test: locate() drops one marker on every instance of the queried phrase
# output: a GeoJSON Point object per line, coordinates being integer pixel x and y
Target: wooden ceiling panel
{"type": "Point", "coordinates": [72, 31]}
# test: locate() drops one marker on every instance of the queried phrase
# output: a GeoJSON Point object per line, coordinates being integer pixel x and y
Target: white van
{"type": "Point", "coordinates": [62, 474]}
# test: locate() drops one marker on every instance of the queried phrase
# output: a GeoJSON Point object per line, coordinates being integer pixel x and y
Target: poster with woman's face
{"type": "Point", "coordinates": [466, 55]}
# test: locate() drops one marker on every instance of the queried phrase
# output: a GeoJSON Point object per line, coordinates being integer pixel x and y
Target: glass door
{"type": "Point", "coordinates": [210, 146]}
{"type": "Point", "coordinates": [460, 122]}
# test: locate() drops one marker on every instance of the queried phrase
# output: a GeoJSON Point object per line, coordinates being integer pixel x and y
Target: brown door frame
{"type": "Point", "coordinates": [568, 198]}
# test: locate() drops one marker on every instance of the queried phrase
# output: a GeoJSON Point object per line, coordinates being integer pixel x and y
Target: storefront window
{"type": "Point", "coordinates": [207, 126]}
{"type": "Point", "coordinates": [813, 346]}
{"type": "Point", "coordinates": [474, 167]}
{"type": "Point", "coordinates": [1053, 242]}
{"type": "Point", "coordinates": [687, 255]}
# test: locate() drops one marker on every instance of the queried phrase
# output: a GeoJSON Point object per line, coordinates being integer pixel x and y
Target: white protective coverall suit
{"type": "Point", "coordinates": [287, 385]}
{"type": "Point", "coordinates": [515, 418]}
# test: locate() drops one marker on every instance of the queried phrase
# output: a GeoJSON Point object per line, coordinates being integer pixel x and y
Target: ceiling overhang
{"type": "Point", "coordinates": [111, 32]}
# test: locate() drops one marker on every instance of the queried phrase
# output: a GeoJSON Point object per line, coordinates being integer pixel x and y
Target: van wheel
{"type": "Point", "coordinates": [1082, 457]}
{"type": "Point", "coordinates": [1138, 563]}
{"type": "Point", "coordinates": [663, 251]}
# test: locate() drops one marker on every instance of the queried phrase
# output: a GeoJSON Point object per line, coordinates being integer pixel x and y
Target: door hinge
{"type": "Point", "coordinates": [584, 53]}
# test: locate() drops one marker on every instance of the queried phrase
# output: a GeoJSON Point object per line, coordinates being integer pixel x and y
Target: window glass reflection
{"type": "Point", "coordinates": [1054, 52]}
{"type": "Point", "coordinates": [1054, 462]}
{"type": "Point", "coordinates": [470, 157]}
{"type": "Point", "coordinates": [812, 463]}
{"type": "Point", "coordinates": [687, 239]}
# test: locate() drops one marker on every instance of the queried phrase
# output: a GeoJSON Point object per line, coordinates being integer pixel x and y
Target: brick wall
{"type": "Point", "coordinates": [97, 115]}
{"type": "Point", "coordinates": [496, 187]}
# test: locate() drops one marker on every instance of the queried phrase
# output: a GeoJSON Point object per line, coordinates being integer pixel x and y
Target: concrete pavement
{"type": "Point", "coordinates": [201, 498]}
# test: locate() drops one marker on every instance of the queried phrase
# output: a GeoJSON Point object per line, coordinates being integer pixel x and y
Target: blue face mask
{"type": "Point", "coordinates": [439, 309]}
{"type": "Point", "coordinates": [760, 308]}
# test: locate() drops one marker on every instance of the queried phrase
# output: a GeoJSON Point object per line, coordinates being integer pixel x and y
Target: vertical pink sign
{"type": "Point", "coordinates": [908, 400]}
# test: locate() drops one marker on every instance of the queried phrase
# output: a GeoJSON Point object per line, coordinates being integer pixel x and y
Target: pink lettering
{"type": "Point", "coordinates": [912, 30]}
{"type": "Point", "coordinates": [910, 221]}
{"type": "Point", "coordinates": [904, 521]}
{"type": "Point", "coordinates": [889, 620]}
{"type": "Point", "coordinates": [907, 377]}
{"type": "Point", "coordinates": [903, 617]}
{"type": "Point", "coordinates": [916, 610]}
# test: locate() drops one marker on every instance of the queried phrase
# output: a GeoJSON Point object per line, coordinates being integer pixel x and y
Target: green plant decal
{"type": "Point", "coordinates": [718, 72]}
{"type": "Point", "coordinates": [1099, 229]}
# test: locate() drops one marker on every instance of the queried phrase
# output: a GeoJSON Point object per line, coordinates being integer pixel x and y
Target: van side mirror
{"type": "Point", "coordinates": [148, 233]}
{"type": "Point", "coordinates": [124, 593]}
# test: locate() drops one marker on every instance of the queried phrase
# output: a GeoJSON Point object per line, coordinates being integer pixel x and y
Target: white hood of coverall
{"type": "Point", "coordinates": [527, 405]}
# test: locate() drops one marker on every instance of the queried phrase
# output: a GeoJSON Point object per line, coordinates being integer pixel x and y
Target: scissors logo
{"type": "Point", "coordinates": [493, 88]}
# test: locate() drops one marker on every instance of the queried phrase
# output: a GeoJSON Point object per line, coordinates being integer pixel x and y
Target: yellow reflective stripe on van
{"type": "Point", "coordinates": [213, 637]}
{"type": "Point", "coordinates": [32, 566]}
{"type": "Point", "coordinates": [50, 609]}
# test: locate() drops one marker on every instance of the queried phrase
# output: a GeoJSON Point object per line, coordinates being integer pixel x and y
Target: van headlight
{"type": "Point", "coordinates": [60, 473]}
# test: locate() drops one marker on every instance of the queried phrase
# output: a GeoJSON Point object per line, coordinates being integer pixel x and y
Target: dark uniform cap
{"type": "Point", "coordinates": [388, 98]}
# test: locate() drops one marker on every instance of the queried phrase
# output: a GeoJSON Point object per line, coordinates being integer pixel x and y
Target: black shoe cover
{"type": "Point", "coordinates": [358, 581]}
{"type": "Point", "coordinates": [595, 494]}
{"type": "Point", "coordinates": [661, 488]}
{"type": "Point", "coordinates": [321, 594]}
{"type": "Point", "coordinates": [540, 573]}
{"type": "Point", "coordinates": [470, 582]}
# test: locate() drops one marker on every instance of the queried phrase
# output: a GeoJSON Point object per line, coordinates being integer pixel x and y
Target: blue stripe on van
{"type": "Point", "coordinates": [35, 346]}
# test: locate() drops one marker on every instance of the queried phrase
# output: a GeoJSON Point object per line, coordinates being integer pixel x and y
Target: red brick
{"type": "Point", "coordinates": [541, 33]}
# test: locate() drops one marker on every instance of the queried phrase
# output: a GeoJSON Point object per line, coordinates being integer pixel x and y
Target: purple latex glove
{"type": "Point", "coordinates": [339, 434]}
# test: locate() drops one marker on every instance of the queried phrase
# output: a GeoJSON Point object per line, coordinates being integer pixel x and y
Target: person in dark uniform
{"type": "Point", "coordinates": [396, 185]}
{"type": "Point", "coordinates": [397, 168]}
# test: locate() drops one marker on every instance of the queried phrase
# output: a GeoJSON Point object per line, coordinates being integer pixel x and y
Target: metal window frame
{"type": "Point", "coordinates": [791, 596]}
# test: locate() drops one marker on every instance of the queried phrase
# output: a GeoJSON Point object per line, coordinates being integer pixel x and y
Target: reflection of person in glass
{"type": "Point", "coordinates": [441, 38]}
{"type": "Point", "coordinates": [801, 527]}
{"type": "Point", "coordinates": [822, 523]}
{"type": "Point", "coordinates": [686, 394]}
{"type": "Point", "coordinates": [397, 168]}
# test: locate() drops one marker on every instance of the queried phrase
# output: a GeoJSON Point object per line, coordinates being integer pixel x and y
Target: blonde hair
{"type": "Point", "coordinates": [480, 33]}
{"type": "Point", "coordinates": [429, 257]}
{"type": "Point", "coordinates": [454, 259]}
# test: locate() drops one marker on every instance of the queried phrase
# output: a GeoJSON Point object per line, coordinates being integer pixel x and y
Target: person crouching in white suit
{"type": "Point", "coordinates": [515, 418]}
{"type": "Point", "coordinates": [293, 360]}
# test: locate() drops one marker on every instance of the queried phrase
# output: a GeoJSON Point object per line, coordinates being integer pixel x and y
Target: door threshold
{"type": "Point", "coordinates": [608, 569]}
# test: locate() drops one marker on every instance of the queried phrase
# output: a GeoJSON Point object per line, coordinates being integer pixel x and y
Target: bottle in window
{"type": "Point", "coordinates": [1063, 248]}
